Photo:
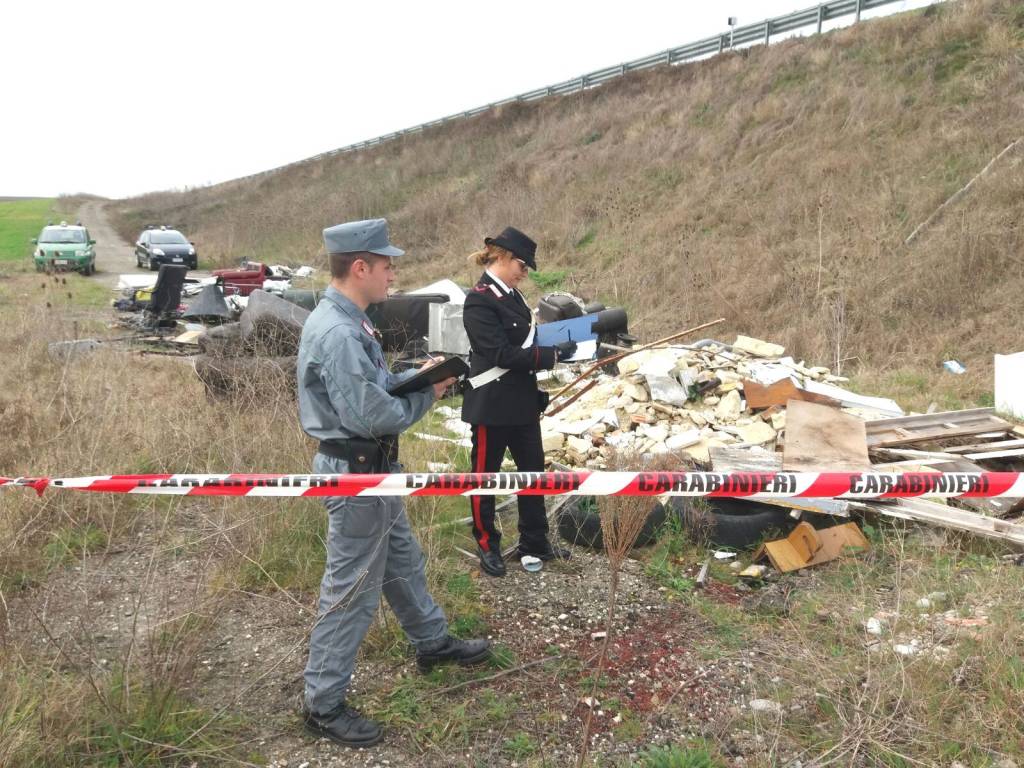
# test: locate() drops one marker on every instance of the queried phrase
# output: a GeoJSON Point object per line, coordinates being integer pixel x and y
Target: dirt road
{"type": "Point", "coordinates": [114, 256]}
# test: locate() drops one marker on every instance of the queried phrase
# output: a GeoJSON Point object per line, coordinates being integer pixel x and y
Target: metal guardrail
{"type": "Point", "coordinates": [762, 31]}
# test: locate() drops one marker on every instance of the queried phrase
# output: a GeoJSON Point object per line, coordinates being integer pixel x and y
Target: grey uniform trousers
{"type": "Point", "coordinates": [370, 549]}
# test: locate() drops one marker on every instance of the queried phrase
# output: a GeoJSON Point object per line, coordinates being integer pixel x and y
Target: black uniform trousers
{"type": "Point", "coordinates": [523, 442]}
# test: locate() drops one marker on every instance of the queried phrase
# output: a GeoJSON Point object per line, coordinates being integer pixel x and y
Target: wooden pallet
{"type": "Point", "coordinates": [907, 430]}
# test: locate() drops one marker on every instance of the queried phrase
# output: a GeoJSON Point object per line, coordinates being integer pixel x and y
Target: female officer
{"type": "Point", "coordinates": [503, 403]}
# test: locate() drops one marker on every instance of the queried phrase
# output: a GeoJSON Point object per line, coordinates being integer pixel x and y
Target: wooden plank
{"type": "Point", "coordinates": [930, 513]}
{"type": "Point", "coordinates": [823, 439]}
{"type": "Point", "coordinates": [805, 546]}
{"type": "Point", "coordinates": [793, 552]}
{"type": "Point", "coordinates": [732, 459]}
{"type": "Point", "coordinates": [998, 445]}
{"type": "Point", "coordinates": [995, 454]}
{"type": "Point", "coordinates": [932, 426]}
{"type": "Point", "coordinates": [951, 462]}
{"type": "Point", "coordinates": [779, 393]}
{"type": "Point", "coordinates": [839, 540]}
{"type": "Point", "coordinates": [911, 453]}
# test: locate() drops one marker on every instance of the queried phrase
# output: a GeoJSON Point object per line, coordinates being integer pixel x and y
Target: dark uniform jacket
{"type": "Point", "coordinates": [497, 323]}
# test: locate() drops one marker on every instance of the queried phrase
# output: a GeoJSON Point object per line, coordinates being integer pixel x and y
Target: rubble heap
{"type": "Point", "coordinates": [681, 400]}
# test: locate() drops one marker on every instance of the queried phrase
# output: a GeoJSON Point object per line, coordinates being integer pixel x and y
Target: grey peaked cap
{"type": "Point", "coordinates": [357, 236]}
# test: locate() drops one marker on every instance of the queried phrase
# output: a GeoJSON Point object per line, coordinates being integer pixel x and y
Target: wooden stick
{"type": "Point", "coordinates": [615, 358]}
{"type": "Point", "coordinates": [572, 399]}
{"type": "Point", "coordinates": [496, 675]}
{"type": "Point", "coordinates": [959, 193]}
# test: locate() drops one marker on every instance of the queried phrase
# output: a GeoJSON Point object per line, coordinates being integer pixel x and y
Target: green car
{"type": "Point", "coordinates": [65, 246]}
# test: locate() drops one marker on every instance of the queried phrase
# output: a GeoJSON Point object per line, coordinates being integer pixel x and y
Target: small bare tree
{"type": "Point", "coordinates": [622, 519]}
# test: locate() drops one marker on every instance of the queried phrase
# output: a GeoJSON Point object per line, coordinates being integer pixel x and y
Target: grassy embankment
{"type": "Point", "coordinates": [113, 606]}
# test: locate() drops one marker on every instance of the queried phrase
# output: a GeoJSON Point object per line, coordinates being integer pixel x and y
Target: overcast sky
{"type": "Point", "coordinates": [120, 98]}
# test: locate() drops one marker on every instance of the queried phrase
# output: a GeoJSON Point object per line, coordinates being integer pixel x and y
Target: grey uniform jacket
{"type": "Point", "coordinates": [343, 377]}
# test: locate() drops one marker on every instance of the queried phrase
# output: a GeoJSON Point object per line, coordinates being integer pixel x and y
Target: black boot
{"type": "Point", "coordinates": [465, 653]}
{"type": "Point", "coordinates": [544, 550]}
{"type": "Point", "coordinates": [344, 725]}
{"type": "Point", "coordinates": [491, 562]}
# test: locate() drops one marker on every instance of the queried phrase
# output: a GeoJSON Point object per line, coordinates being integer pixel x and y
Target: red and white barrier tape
{"type": "Point", "coordinates": [767, 485]}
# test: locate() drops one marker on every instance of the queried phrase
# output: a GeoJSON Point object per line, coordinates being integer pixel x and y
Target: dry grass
{"type": "Point", "coordinates": [776, 185]}
{"type": "Point", "coordinates": [112, 605]}
{"type": "Point", "coordinates": [86, 677]}
{"type": "Point", "coordinates": [850, 699]}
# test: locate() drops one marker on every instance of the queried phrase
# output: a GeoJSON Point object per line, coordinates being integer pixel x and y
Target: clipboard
{"type": "Point", "coordinates": [453, 366]}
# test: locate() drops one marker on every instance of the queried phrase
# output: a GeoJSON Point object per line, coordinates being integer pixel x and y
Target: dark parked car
{"type": "Point", "coordinates": [160, 245]}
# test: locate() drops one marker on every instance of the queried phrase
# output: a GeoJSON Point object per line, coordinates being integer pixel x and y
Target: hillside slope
{"type": "Point", "coordinates": [773, 186]}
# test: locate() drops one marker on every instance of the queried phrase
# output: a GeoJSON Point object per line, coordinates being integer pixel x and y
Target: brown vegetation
{"type": "Point", "coordinates": [773, 186]}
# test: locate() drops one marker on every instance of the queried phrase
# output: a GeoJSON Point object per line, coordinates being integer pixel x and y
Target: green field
{"type": "Point", "coordinates": [20, 221]}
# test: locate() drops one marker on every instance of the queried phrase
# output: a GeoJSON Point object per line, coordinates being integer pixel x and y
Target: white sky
{"type": "Point", "coordinates": [119, 98]}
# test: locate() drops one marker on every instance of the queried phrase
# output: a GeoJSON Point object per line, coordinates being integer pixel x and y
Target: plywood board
{"type": "Point", "coordinates": [823, 439]}
{"type": "Point", "coordinates": [907, 430]}
{"type": "Point", "coordinates": [760, 396]}
{"type": "Point", "coordinates": [805, 546]}
{"type": "Point", "coordinates": [793, 552]}
{"type": "Point", "coordinates": [839, 540]}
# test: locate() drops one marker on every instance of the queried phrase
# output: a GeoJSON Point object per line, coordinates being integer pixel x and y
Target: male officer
{"type": "Point", "coordinates": [343, 402]}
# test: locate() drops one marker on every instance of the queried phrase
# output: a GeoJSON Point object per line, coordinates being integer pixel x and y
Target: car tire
{"type": "Point", "coordinates": [153, 265]}
{"type": "Point", "coordinates": [579, 523]}
{"type": "Point", "coordinates": [732, 523]}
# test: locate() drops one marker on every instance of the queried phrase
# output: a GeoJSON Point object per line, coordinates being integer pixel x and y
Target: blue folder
{"type": "Point", "coordinates": [577, 329]}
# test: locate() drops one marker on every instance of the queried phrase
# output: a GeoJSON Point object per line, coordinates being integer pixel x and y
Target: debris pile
{"type": "Point", "coordinates": [258, 351]}
{"type": "Point", "coordinates": [687, 399]}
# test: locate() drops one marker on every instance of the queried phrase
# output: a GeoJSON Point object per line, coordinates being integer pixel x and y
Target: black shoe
{"type": "Point", "coordinates": [344, 725]}
{"type": "Point", "coordinates": [545, 552]}
{"type": "Point", "coordinates": [491, 562]}
{"type": "Point", "coordinates": [465, 653]}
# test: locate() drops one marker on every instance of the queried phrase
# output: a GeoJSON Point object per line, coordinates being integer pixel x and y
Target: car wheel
{"type": "Point", "coordinates": [733, 523]}
{"type": "Point", "coordinates": [579, 522]}
{"type": "Point", "coordinates": [153, 265]}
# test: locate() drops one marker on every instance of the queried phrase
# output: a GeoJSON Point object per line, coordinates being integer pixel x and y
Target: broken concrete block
{"type": "Point", "coordinates": [660, 362]}
{"type": "Point", "coordinates": [756, 433]}
{"type": "Point", "coordinates": [579, 445]}
{"type": "Point", "coordinates": [636, 391]}
{"type": "Point", "coordinates": [552, 441]}
{"type": "Point", "coordinates": [656, 432]}
{"type": "Point", "coordinates": [682, 440]}
{"type": "Point", "coordinates": [60, 351]}
{"type": "Point", "coordinates": [757, 347]}
{"type": "Point", "coordinates": [729, 408]}
{"type": "Point", "coordinates": [665, 389]}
